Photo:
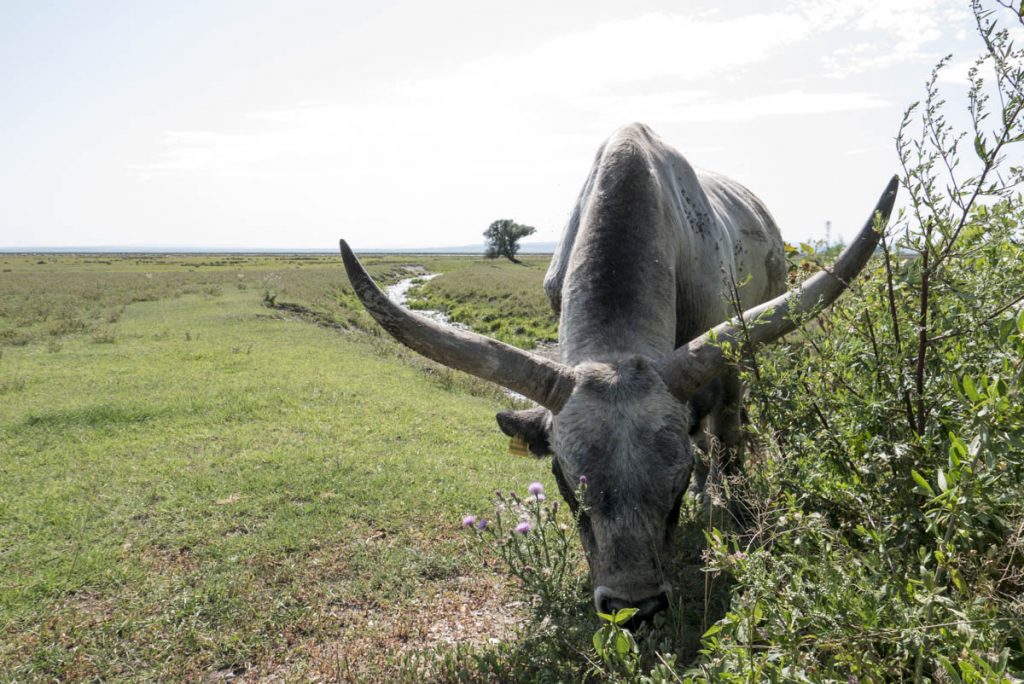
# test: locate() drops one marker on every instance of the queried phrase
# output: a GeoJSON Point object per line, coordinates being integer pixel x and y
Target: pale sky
{"type": "Point", "coordinates": [292, 123]}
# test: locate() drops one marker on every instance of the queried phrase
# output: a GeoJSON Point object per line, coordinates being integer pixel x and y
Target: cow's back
{"type": "Point", "coordinates": [758, 252]}
{"type": "Point", "coordinates": [695, 228]}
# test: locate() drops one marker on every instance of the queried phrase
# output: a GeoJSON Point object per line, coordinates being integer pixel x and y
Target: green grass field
{"type": "Point", "coordinates": [219, 467]}
{"type": "Point", "coordinates": [193, 483]}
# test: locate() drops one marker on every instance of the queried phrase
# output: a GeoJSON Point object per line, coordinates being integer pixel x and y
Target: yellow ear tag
{"type": "Point", "coordinates": [517, 446]}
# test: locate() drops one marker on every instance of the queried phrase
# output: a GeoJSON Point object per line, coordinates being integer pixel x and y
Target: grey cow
{"type": "Point", "coordinates": [664, 253]}
{"type": "Point", "coordinates": [641, 280]}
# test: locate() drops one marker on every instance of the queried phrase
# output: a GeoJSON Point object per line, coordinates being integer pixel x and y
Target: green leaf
{"type": "Point", "coordinates": [713, 630]}
{"type": "Point", "coordinates": [979, 147]}
{"type": "Point", "coordinates": [623, 615]}
{"type": "Point", "coordinates": [957, 450]}
{"type": "Point", "coordinates": [922, 483]}
{"type": "Point", "coordinates": [970, 671]}
{"type": "Point", "coordinates": [970, 390]}
{"type": "Point", "coordinates": [599, 640]}
{"type": "Point", "coordinates": [950, 669]}
{"type": "Point", "coordinates": [943, 485]}
{"type": "Point", "coordinates": [958, 580]}
{"type": "Point", "coordinates": [621, 644]}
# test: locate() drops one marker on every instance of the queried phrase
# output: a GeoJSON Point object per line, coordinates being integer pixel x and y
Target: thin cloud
{"type": "Point", "coordinates": [597, 75]}
{"type": "Point", "coordinates": [613, 54]}
{"type": "Point", "coordinates": [514, 130]}
{"type": "Point", "coordinates": [906, 31]}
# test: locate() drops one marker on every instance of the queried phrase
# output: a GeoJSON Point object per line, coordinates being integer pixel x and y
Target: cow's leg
{"type": "Point", "coordinates": [724, 451]}
{"type": "Point", "coordinates": [702, 442]}
{"type": "Point", "coordinates": [717, 432]}
{"type": "Point", "coordinates": [704, 406]}
{"type": "Point", "coordinates": [727, 424]}
{"type": "Point", "coordinates": [727, 455]}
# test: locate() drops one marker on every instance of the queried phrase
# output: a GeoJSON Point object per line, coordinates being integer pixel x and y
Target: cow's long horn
{"type": "Point", "coordinates": [693, 365]}
{"type": "Point", "coordinates": [547, 382]}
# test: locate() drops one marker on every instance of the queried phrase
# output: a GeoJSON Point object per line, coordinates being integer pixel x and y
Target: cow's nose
{"type": "Point", "coordinates": [607, 602]}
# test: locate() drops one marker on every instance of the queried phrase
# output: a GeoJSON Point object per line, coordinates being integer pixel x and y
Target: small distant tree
{"type": "Point", "coordinates": [503, 238]}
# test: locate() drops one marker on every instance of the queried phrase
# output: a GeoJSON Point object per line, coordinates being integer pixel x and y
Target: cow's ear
{"type": "Point", "coordinates": [533, 426]}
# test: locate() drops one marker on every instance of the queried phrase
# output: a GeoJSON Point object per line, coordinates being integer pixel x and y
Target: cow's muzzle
{"type": "Point", "coordinates": [606, 601]}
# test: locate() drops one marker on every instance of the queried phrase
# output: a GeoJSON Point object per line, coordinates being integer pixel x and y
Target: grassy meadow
{"type": "Point", "coordinates": [218, 467]}
{"type": "Point", "coordinates": [196, 485]}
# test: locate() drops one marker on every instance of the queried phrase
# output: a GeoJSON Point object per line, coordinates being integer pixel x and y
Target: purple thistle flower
{"type": "Point", "coordinates": [482, 525]}
{"type": "Point", "coordinates": [536, 488]}
{"type": "Point", "coordinates": [583, 480]}
{"type": "Point", "coordinates": [523, 527]}
{"type": "Point", "coordinates": [468, 520]}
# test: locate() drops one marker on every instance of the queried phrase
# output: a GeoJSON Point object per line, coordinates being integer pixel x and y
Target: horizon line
{"type": "Point", "coordinates": [545, 247]}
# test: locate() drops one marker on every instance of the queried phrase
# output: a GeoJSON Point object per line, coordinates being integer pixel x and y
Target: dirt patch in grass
{"type": "Point", "coordinates": [53, 644]}
{"type": "Point", "coordinates": [163, 560]}
{"type": "Point", "coordinates": [370, 641]}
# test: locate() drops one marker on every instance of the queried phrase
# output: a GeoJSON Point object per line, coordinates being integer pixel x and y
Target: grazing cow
{"type": "Point", "coordinates": [647, 270]}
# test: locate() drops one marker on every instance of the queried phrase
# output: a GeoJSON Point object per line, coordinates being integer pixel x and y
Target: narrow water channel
{"type": "Point", "coordinates": [399, 294]}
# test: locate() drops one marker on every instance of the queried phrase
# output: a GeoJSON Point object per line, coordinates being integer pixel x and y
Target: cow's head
{"type": "Point", "coordinates": [623, 425]}
{"type": "Point", "coordinates": [625, 432]}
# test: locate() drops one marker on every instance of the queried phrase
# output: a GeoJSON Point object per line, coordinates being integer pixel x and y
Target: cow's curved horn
{"type": "Point", "coordinates": [547, 382]}
{"type": "Point", "coordinates": [693, 365]}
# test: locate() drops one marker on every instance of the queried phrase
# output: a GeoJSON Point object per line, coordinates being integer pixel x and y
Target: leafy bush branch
{"type": "Point", "coordinates": [895, 433]}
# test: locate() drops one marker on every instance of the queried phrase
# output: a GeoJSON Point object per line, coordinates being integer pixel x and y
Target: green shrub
{"type": "Point", "coordinates": [889, 495]}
